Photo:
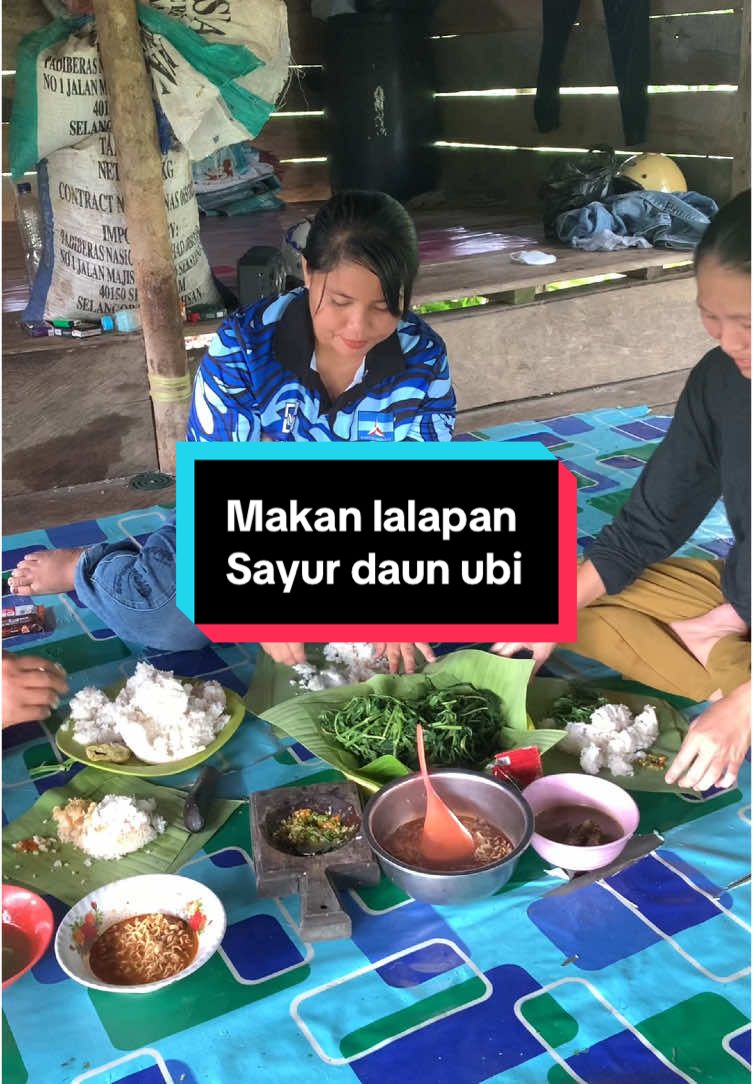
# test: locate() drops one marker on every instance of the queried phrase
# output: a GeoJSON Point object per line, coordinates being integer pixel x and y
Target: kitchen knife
{"type": "Point", "coordinates": [636, 848]}
{"type": "Point", "coordinates": [198, 799]}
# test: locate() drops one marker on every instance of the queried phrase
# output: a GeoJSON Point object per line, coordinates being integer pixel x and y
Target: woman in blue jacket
{"type": "Point", "coordinates": [342, 358]}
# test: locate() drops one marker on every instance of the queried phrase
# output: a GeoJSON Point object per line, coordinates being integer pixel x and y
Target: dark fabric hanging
{"type": "Point", "coordinates": [380, 105]}
{"type": "Point", "coordinates": [629, 44]}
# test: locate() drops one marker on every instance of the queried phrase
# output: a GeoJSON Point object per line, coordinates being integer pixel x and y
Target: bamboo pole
{"type": "Point", "coordinates": [134, 129]}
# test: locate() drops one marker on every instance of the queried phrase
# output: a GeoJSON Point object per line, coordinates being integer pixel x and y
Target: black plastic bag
{"type": "Point", "coordinates": [574, 182]}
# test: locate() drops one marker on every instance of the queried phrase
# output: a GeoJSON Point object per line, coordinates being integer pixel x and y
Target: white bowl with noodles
{"type": "Point", "coordinates": [150, 894]}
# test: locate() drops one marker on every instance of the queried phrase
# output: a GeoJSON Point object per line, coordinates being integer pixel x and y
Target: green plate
{"type": "Point", "coordinates": [134, 766]}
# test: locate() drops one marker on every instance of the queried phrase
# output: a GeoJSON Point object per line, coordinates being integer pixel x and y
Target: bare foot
{"type": "Point", "coordinates": [701, 634]}
{"type": "Point", "coordinates": [48, 572]}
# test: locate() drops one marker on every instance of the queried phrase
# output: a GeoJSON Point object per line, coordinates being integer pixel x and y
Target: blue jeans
{"type": "Point", "coordinates": [133, 591]}
{"type": "Point", "coordinates": [669, 219]}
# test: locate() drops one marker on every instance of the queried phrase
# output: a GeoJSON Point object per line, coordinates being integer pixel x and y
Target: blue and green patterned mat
{"type": "Point", "coordinates": [641, 978]}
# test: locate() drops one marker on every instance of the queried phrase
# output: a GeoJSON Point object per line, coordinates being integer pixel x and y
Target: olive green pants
{"type": "Point", "coordinates": [630, 632]}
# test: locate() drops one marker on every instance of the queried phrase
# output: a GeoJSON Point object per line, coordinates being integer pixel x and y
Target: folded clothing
{"type": "Point", "coordinates": [669, 219]}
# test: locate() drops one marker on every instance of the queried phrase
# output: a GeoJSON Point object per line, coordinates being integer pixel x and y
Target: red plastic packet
{"type": "Point", "coordinates": [519, 766]}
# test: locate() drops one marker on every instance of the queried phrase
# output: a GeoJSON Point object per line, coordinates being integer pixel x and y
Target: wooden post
{"type": "Point", "coordinates": [134, 129]}
{"type": "Point", "coordinates": [741, 163]}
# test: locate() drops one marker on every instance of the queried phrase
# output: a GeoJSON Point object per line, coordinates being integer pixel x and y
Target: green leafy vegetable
{"type": "Point", "coordinates": [576, 706]}
{"type": "Point", "coordinates": [461, 726]}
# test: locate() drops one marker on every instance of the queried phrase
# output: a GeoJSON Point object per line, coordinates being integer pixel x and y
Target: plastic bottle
{"type": "Point", "coordinates": [127, 319]}
{"type": "Point", "coordinates": [29, 221]}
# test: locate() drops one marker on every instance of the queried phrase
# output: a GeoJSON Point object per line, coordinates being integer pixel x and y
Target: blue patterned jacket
{"type": "Point", "coordinates": [256, 381]}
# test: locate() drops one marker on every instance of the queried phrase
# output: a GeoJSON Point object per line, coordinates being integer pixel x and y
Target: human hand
{"type": "Point", "coordinates": [405, 652]}
{"type": "Point", "coordinates": [715, 745]}
{"type": "Point", "coordinates": [540, 652]}
{"type": "Point", "coordinates": [32, 687]}
{"type": "Point", "coordinates": [290, 654]}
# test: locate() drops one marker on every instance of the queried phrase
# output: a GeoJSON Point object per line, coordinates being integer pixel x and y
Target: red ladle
{"type": "Point", "coordinates": [444, 838]}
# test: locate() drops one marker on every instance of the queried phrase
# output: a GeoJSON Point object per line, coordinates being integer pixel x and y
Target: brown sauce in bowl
{"type": "Point", "coordinates": [578, 825]}
{"type": "Point", "coordinates": [143, 949]}
{"type": "Point", "coordinates": [491, 845]}
{"type": "Point", "coordinates": [17, 950]}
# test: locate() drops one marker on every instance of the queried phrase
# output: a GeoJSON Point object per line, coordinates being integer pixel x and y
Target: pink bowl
{"type": "Point", "coordinates": [29, 913]}
{"type": "Point", "coordinates": [574, 787]}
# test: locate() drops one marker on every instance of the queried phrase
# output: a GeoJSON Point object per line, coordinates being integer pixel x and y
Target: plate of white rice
{"type": "Point", "coordinates": [153, 724]}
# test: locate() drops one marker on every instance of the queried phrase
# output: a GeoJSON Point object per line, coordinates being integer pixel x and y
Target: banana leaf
{"type": "Point", "coordinates": [73, 879]}
{"type": "Point", "coordinates": [673, 727]}
{"type": "Point", "coordinates": [296, 713]}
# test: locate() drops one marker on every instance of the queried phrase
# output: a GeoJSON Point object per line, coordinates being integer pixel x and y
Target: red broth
{"type": "Point", "coordinates": [143, 949]}
{"type": "Point", "coordinates": [491, 845]}
{"type": "Point", "coordinates": [17, 950]}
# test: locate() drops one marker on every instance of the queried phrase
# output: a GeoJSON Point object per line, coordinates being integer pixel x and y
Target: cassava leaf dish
{"type": "Point", "coordinates": [461, 726]}
{"type": "Point", "coordinates": [497, 680]}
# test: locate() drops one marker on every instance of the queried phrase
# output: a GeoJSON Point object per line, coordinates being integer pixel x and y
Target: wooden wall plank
{"type": "Point", "coordinates": [9, 90]}
{"type": "Point", "coordinates": [306, 33]}
{"type": "Point", "coordinates": [92, 500]}
{"type": "Point", "coordinates": [741, 171]}
{"type": "Point", "coordinates": [20, 17]}
{"type": "Point", "coordinates": [515, 176]}
{"type": "Point", "coordinates": [286, 136]}
{"type": "Point", "coordinates": [294, 137]}
{"type": "Point", "coordinates": [460, 17]}
{"type": "Point", "coordinates": [689, 123]}
{"type": "Point", "coordinates": [304, 91]}
{"type": "Point", "coordinates": [305, 182]}
{"type": "Point", "coordinates": [667, 8]}
{"type": "Point", "coordinates": [571, 343]}
{"type": "Point", "coordinates": [658, 392]}
{"type": "Point", "coordinates": [700, 50]}
{"type": "Point", "coordinates": [55, 431]}
{"type": "Point", "coordinates": [701, 44]}
{"type": "Point", "coordinates": [301, 183]}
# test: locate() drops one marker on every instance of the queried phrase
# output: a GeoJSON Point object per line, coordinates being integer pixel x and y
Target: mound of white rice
{"type": "Point", "coordinates": [613, 738]}
{"type": "Point", "coordinates": [113, 827]}
{"type": "Point", "coordinates": [348, 664]}
{"type": "Point", "coordinates": [157, 716]}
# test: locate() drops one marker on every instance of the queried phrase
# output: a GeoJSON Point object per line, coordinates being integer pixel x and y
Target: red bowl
{"type": "Point", "coordinates": [33, 918]}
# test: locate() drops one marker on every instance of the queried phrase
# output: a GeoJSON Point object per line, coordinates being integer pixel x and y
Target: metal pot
{"type": "Point", "coordinates": [466, 792]}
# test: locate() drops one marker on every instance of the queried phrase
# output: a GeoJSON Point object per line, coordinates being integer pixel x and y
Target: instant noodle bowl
{"type": "Point", "coordinates": [140, 934]}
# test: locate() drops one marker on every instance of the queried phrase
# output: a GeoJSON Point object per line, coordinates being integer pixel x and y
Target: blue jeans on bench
{"type": "Point", "coordinates": [132, 589]}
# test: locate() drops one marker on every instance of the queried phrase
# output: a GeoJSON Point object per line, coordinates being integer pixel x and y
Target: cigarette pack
{"type": "Point", "coordinates": [23, 619]}
{"type": "Point", "coordinates": [76, 332]}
